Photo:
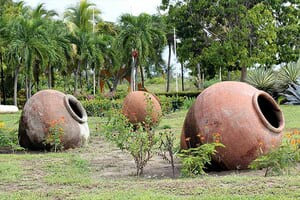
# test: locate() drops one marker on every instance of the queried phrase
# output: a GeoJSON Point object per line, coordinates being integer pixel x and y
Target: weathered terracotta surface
{"type": "Point", "coordinates": [246, 120]}
{"type": "Point", "coordinates": [135, 107]}
{"type": "Point", "coordinates": [50, 108]}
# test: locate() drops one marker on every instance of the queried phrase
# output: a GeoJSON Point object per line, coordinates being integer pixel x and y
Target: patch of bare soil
{"type": "Point", "coordinates": [107, 161]}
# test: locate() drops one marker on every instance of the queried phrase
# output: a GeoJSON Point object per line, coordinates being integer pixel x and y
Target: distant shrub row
{"type": "Point", "coordinates": [180, 94]}
{"type": "Point", "coordinates": [98, 107]}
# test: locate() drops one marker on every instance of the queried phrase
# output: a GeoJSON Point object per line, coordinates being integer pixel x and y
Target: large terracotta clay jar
{"type": "Point", "coordinates": [136, 107]}
{"type": "Point", "coordinates": [50, 110]}
{"type": "Point", "coordinates": [246, 120]}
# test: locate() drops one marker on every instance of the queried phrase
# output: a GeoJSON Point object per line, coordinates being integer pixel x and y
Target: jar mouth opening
{"type": "Point", "coordinates": [268, 111]}
{"type": "Point", "coordinates": [75, 109]}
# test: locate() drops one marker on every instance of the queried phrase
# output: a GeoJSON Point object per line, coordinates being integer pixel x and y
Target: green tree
{"type": "Point", "coordinates": [224, 34]}
{"type": "Point", "coordinates": [138, 35]}
{"type": "Point", "coordinates": [79, 22]}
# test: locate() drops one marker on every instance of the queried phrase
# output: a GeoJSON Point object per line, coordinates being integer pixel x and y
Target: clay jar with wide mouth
{"type": "Point", "coordinates": [49, 112]}
{"type": "Point", "coordinates": [138, 105]}
{"type": "Point", "coordinates": [246, 120]}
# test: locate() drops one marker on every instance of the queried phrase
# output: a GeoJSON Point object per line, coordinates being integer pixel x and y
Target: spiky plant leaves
{"type": "Point", "coordinates": [293, 94]}
{"type": "Point", "coordinates": [289, 74]}
{"type": "Point", "coordinates": [262, 79]}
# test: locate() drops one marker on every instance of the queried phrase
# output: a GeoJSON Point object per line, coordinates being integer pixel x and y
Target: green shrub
{"type": "Point", "coordinates": [167, 147]}
{"type": "Point", "coordinates": [282, 159]}
{"type": "Point", "coordinates": [21, 102]}
{"type": "Point", "coordinates": [138, 140]}
{"type": "Point", "coordinates": [211, 82]}
{"type": "Point", "coordinates": [292, 94]}
{"type": "Point", "coordinates": [194, 160]}
{"type": "Point", "coordinates": [188, 102]}
{"type": "Point", "coordinates": [156, 80]}
{"type": "Point", "coordinates": [9, 138]}
{"type": "Point", "coordinates": [171, 104]}
{"type": "Point", "coordinates": [190, 94]}
{"type": "Point", "coordinates": [98, 107]}
{"type": "Point", "coordinates": [55, 136]}
{"type": "Point", "coordinates": [262, 79]}
{"type": "Point", "coordinates": [289, 74]}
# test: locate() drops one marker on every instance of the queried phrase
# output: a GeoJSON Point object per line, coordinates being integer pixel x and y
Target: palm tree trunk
{"type": "Point", "coordinates": [26, 87]}
{"type": "Point", "coordinates": [229, 75]}
{"type": "Point", "coordinates": [94, 81]}
{"type": "Point", "coordinates": [49, 77]}
{"type": "Point", "coordinates": [132, 84]}
{"type": "Point", "coordinates": [182, 77]}
{"type": "Point", "coordinates": [87, 76]}
{"type": "Point", "coordinates": [52, 77]}
{"type": "Point", "coordinates": [169, 68]}
{"type": "Point", "coordinates": [244, 74]}
{"type": "Point", "coordinates": [2, 82]}
{"type": "Point", "coordinates": [80, 80]}
{"type": "Point", "coordinates": [142, 76]}
{"type": "Point", "coordinates": [29, 88]}
{"type": "Point", "coordinates": [76, 77]}
{"type": "Point", "coordinates": [16, 85]}
{"type": "Point", "coordinates": [199, 75]}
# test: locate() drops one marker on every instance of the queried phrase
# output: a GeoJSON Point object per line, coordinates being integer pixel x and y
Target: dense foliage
{"type": "Point", "coordinates": [234, 35]}
{"type": "Point", "coordinates": [80, 52]}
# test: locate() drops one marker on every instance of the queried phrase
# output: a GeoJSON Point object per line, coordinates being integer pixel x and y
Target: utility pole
{"type": "Point", "coordinates": [94, 71]}
{"type": "Point", "coordinates": [175, 55]}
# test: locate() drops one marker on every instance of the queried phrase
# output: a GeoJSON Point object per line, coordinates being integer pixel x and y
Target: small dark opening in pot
{"type": "Point", "coordinates": [77, 109]}
{"type": "Point", "coordinates": [269, 110]}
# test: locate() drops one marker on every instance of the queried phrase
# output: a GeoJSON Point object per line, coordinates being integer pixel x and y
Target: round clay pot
{"type": "Point", "coordinates": [47, 111]}
{"type": "Point", "coordinates": [135, 107]}
{"type": "Point", "coordinates": [246, 120]}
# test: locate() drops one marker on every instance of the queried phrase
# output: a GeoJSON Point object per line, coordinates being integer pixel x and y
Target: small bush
{"type": "Point", "coordinates": [167, 147]}
{"type": "Point", "coordinates": [190, 94]}
{"type": "Point", "coordinates": [194, 160]}
{"type": "Point", "coordinates": [282, 159]}
{"type": "Point", "coordinates": [262, 79]}
{"type": "Point", "coordinates": [55, 135]}
{"type": "Point", "coordinates": [138, 139]}
{"type": "Point", "coordinates": [292, 94]}
{"type": "Point", "coordinates": [211, 82]}
{"type": "Point", "coordinates": [188, 102]}
{"type": "Point", "coordinates": [289, 74]}
{"type": "Point", "coordinates": [171, 104]}
{"type": "Point", "coordinates": [98, 107]}
{"type": "Point", "coordinates": [9, 138]}
{"type": "Point", "coordinates": [156, 80]}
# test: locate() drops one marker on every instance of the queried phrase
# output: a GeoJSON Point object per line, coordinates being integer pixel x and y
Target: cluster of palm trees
{"type": "Point", "coordinates": [35, 45]}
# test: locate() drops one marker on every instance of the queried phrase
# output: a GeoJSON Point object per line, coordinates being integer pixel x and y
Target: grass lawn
{"type": "Point", "coordinates": [101, 171]}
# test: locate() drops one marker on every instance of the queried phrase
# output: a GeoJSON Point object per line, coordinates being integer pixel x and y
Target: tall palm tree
{"type": "Point", "coordinates": [27, 43]}
{"type": "Point", "coordinates": [79, 22]}
{"type": "Point", "coordinates": [3, 44]}
{"type": "Point", "coordinates": [58, 41]}
{"type": "Point", "coordinates": [138, 35]}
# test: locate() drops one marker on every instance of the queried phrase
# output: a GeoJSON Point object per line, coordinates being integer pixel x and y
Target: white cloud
{"type": "Point", "coordinates": [111, 9]}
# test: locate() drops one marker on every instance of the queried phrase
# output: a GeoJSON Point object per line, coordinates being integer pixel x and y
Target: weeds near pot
{"type": "Point", "coordinates": [135, 139]}
{"type": "Point", "coordinates": [194, 160]}
{"type": "Point", "coordinates": [280, 160]}
{"type": "Point", "coordinates": [9, 138]}
{"type": "Point", "coordinates": [55, 135]}
{"type": "Point", "coordinates": [166, 147]}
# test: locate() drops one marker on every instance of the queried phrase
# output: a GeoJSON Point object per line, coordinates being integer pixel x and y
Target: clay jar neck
{"type": "Point", "coordinates": [268, 111]}
{"type": "Point", "coordinates": [75, 109]}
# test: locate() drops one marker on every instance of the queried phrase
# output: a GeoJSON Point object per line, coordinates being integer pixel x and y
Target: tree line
{"type": "Point", "coordinates": [79, 51]}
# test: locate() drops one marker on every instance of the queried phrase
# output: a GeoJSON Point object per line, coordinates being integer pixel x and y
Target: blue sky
{"type": "Point", "coordinates": [111, 9]}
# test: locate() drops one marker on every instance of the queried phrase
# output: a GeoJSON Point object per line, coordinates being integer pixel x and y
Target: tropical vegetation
{"type": "Point", "coordinates": [79, 52]}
